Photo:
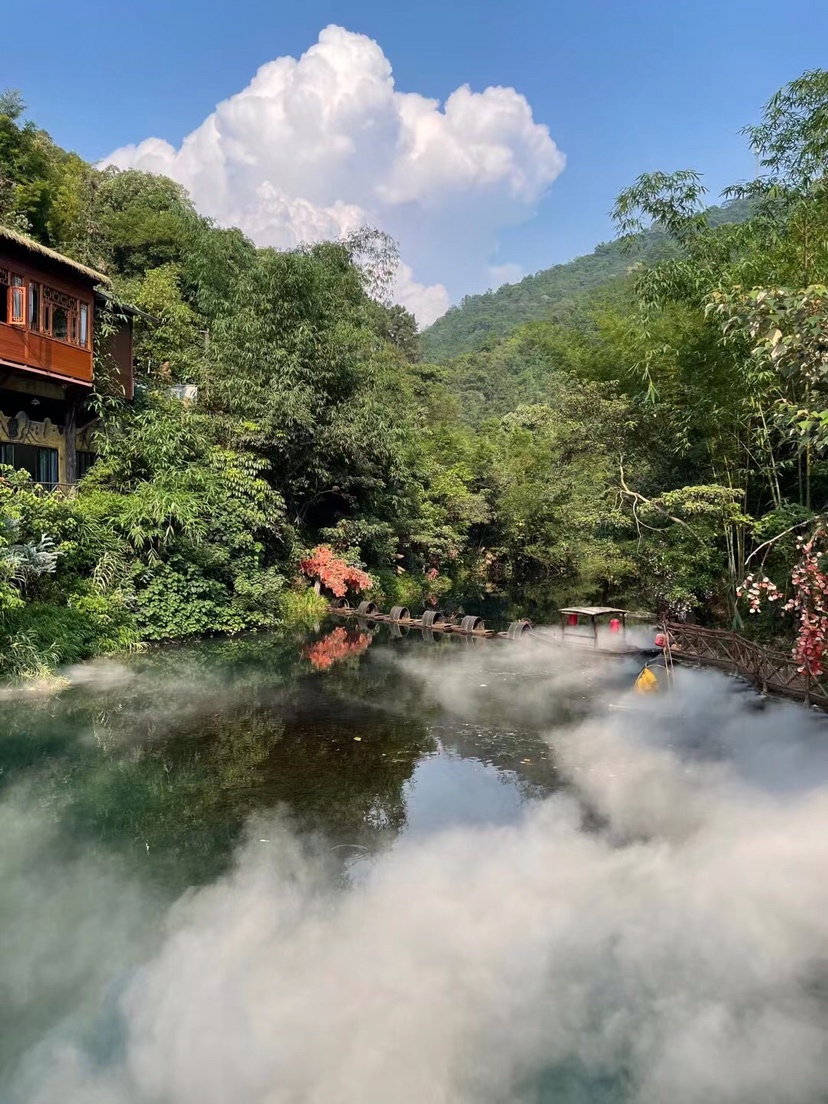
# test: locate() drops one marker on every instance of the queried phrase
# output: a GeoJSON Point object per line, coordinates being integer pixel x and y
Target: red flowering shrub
{"type": "Point", "coordinates": [333, 572]}
{"type": "Point", "coordinates": [337, 645]}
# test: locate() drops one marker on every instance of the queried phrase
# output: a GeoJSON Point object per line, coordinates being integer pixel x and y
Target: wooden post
{"type": "Point", "coordinates": [70, 425]}
{"type": "Point", "coordinates": [594, 631]}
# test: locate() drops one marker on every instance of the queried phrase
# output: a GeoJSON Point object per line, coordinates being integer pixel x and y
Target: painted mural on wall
{"type": "Point", "coordinates": [20, 429]}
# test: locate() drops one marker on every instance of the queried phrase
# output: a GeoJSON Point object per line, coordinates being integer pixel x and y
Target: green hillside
{"type": "Point", "coordinates": [480, 318]}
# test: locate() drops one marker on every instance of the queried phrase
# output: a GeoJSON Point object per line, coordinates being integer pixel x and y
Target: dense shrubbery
{"type": "Point", "coordinates": [57, 605]}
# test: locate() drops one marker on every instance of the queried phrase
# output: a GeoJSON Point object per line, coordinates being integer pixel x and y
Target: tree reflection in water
{"type": "Point", "coordinates": [164, 760]}
{"type": "Point", "coordinates": [337, 645]}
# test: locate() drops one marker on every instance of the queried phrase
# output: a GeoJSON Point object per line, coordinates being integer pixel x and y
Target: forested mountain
{"type": "Point", "coordinates": [553, 292]}
{"type": "Point", "coordinates": [650, 436]}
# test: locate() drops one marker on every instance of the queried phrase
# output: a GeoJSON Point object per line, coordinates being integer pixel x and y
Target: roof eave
{"type": "Point", "coordinates": [124, 308]}
{"type": "Point", "coordinates": [33, 246]}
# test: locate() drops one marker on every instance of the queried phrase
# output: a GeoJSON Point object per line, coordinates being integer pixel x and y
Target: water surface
{"type": "Point", "coordinates": [220, 793]}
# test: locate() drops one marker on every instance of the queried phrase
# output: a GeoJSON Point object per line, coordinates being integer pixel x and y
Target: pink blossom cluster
{"type": "Point", "coordinates": [432, 574]}
{"type": "Point", "coordinates": [756, 589]}
{"type": "Point", "coordinates": [810, 603]}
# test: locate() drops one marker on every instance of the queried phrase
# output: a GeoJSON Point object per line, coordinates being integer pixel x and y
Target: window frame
{"type": "Point", "coordinates": [86, 463]}
{"type": "Point", "coordinates": [43, 457]}
{"type": "Point", "coordinates": [21, 290]}
{"type": "Point", "coordinates": [35, 293]}
{"type": "Point", "coordinates": [69, 304]}
{"type": "Point", "coordinates": [84, 327]}
{"type": "Point", "coordinates": [18, 301]}
{"type": "Point", "coordinates": [65, 317]}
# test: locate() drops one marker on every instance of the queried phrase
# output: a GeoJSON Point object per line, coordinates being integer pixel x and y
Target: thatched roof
{"type": "Point", "coordinates": [58, 258]}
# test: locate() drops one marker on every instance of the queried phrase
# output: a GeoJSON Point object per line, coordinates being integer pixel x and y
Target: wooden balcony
{"type": "Point", "coordinates": [45, 356]}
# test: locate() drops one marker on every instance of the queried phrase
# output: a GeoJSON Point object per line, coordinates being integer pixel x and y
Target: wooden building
{"type": "Point", "coordinates": [51, 310]}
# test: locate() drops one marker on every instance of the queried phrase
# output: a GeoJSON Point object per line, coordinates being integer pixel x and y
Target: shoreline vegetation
{"type": "Point", "coordinates": [657, 437]}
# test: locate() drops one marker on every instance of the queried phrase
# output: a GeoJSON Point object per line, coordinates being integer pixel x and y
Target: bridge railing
{"type": "Point", "coordinates": [769, 670]}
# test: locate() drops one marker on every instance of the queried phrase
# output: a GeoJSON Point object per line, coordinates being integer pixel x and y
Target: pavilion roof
{"type": "Point", "coordinates": [592, 611]}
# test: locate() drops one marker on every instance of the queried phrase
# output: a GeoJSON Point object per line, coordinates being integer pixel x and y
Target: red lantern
{"type": "Point", "coordinates": [572, 619]}
{"type": "Point", "coordinates": [615, 625]}
{"type": "Point", "coordinates": [661, 640]}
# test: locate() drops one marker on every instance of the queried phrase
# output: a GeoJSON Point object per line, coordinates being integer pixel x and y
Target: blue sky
{"type": "Point", "coordinates": [622, 87]}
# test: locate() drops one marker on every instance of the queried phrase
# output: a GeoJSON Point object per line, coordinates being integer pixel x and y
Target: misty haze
{"type": "Point", "coordinates": [422, 873]}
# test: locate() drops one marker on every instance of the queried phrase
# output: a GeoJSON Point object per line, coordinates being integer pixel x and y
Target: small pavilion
{"type": "Point", "coordinates": [592, 614]}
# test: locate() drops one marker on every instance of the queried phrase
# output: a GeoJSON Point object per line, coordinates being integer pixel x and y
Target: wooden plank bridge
{"type": "Point", "coordinates": [770, 671]}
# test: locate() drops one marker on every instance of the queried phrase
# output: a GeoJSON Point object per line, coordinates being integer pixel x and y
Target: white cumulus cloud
{"type": "Point", "coordinates": [317, 146]}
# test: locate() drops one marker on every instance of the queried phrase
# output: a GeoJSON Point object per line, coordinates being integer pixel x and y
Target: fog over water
{"type": "Point", "coordinates": [448, 874]}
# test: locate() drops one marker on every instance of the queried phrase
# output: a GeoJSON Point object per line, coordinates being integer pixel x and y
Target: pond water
{"type": "Point", "coordinates": [350, 867]}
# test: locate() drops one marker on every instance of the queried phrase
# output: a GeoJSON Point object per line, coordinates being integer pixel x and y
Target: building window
{"type": "Point", "coordinates": [65, 317]}
{"type": "Point", "coordinates": [47, 466]}
{"type": "Point", "coordinates": [84, 461]}
{"type": "Point", "coordinates": [44, 310]}
{"type": "Point", "coordinates": [83, 336]}
{"type": "Point", "coordinates": [17, 302]}
{"type": "Point", "coordinates": [34, 306]}
{"type": "Point", "coordinates": [60, 323]}
{"type": "Point", "coordinates": [40, 463]}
